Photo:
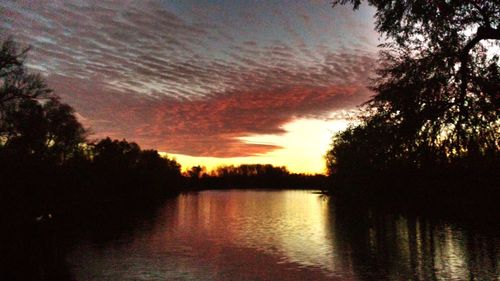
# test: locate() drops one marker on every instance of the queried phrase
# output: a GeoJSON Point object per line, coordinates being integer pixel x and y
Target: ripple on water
{"type": "Point", "coordinates": [285, 235]}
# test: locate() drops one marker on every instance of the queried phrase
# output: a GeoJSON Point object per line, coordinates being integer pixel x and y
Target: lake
{"type": "Point", "coordinates": [282, 235]}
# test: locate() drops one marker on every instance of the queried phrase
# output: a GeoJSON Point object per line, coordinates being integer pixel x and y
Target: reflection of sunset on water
{"type": "Point", "coordinates": [293, 235]}
{"type": "Point", "coordinates": [288, 224]}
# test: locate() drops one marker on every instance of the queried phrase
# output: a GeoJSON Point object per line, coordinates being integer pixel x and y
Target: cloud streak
{"type": "Point", "coordinates": [142, 71]}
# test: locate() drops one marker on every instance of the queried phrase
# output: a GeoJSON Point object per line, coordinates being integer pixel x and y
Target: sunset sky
{"type": "Point", "coordinates": [208, 82]}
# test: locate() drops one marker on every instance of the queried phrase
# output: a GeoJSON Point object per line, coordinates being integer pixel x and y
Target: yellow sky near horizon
{"type": "Point", "coordinates": [304, 145]}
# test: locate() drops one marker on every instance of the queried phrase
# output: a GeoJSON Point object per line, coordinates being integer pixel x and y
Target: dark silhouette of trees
{"type": "Point", "coordinates": [251, 170]}
{"type": "Point", "coordinates": [114, 154]}
{"type": "Point", "coordinates": [16, 83]}
{"type": "Point", "coordinates": [436, 101]}
{"type": "Point", "coordinates": [194, 176]}
{"type": "Point", "coordinates": [126, 171]}
{"type": "Point", "coordinates": [43, 129]}
{"type": "Point", "coordinates": [51, 176]}
{"type": "Point", "coordinates": [196, 172]}
{"type": "Point", "coordinates": [20, 115]}
{"type": "Point", "coordinates": [25, 128]}
{"type": "Point", "coordinates": [65, 135]}
{"type": "Point", "coordinates": [252, 176]}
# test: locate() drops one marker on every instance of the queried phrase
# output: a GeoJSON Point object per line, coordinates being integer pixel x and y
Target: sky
{"type": "Point", "coordinates": [207, 82]}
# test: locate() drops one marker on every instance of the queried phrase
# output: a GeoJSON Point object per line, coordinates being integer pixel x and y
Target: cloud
{"type": "Point", "coordinates": [136, 70]}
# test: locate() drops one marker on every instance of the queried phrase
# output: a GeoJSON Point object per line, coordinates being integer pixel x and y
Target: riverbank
{"type": "Point", "coordinates": [455, 193]}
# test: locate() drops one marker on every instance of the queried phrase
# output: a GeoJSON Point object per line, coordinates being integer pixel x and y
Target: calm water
{"type": "Point", "coordinates": [282, 235]}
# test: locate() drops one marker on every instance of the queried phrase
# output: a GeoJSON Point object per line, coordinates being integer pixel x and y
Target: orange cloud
{"type": "Point", "coordinates": [144, 73]}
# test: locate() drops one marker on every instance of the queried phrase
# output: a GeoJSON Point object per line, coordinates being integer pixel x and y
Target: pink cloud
{"type": "Point", "coordinates": [140, 72]}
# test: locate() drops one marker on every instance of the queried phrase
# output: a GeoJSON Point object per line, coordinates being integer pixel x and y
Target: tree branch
{"type": "Point", "coordinates": [485, 16]}
{"type": "Point", "coordinates": [483, 33]}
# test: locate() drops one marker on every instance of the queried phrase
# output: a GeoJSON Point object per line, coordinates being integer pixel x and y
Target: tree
{"type": "Point", "coordinates": [152, 162]}
{"type": "Point", "coordinates": [65, 134]}
{"type": "Point", "coordinates": [196, 172]}
{"type": "Point", "coordinates": [47, 130]}
{"type": "Point", "coordinates": [437, 86]}
{"type": "Point", "coordinates": [115, 154]}
{"type": "Point", "coordinates": [437, 90]}
{"type": "Point", "coordinates": [16, 83]}
{"type": "Point", "coordinates": [32, 120]}
{"type": "Point", "coordinates": [25, 128]}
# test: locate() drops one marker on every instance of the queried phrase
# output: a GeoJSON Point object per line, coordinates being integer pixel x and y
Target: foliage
{"type": "Point", "coordinates": [46, 162]}
{"type": "Point", "coordinates": [437, 90]}
{"type": "Point", "coordinates": [16, 83]}
{"type": "Point", "coordinates": [250, 170]}
{"type": "Point", "coordinates": [252, 176]}
{"type": "Point", "coordinates": [45, 130]}
{"type": "Point", "coordinates": [132, 170]}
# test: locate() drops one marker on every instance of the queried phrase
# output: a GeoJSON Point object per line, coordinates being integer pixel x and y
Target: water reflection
{"type": "Point", "coordinates": [394, 247]}
{"type": "Point", "coordinates": [285, 235]}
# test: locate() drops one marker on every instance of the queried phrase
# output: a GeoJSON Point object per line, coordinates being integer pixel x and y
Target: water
{"type": "Point", "coordinates": [283, 235]}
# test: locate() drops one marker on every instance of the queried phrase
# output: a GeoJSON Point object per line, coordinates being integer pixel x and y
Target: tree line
{"type": "Point", "coordinates": [252, 176]}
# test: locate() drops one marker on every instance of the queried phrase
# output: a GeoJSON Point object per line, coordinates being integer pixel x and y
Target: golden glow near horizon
{"type": "Point", "coordinates": [303, 148]}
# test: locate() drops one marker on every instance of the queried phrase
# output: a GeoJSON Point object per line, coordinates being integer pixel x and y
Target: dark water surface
{"type": "Point", "coordinates": [283, 235]}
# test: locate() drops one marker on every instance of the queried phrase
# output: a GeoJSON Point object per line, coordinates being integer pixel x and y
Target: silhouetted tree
{"type": "Point", "coordinates": [437, 91]}
{"type": "Point", "coordinates": [151, 160]}
{"type": "Point", "coordinates": [126, 170]}
{"type": "Point", "coordinates": [25, 128]}
{"type": "Point", "coordinates": [32, 121]}
{"type": "Point", "coordinates": [65, 134]}
{"type": "Point", "coordinates": [437, 85]}
{"type": "Point", "coordinates": [49, 174]}
{"type": "Point", "coordinates": [196, 172]}
{"type": "Point", "coordinates": [46, 130]}
{"type": "Point", "coordinates": [115, 154]}
{"type": "Point", "coordinates": [16, 83]}
{"type": "Point", "coordinates": [43, 149]}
